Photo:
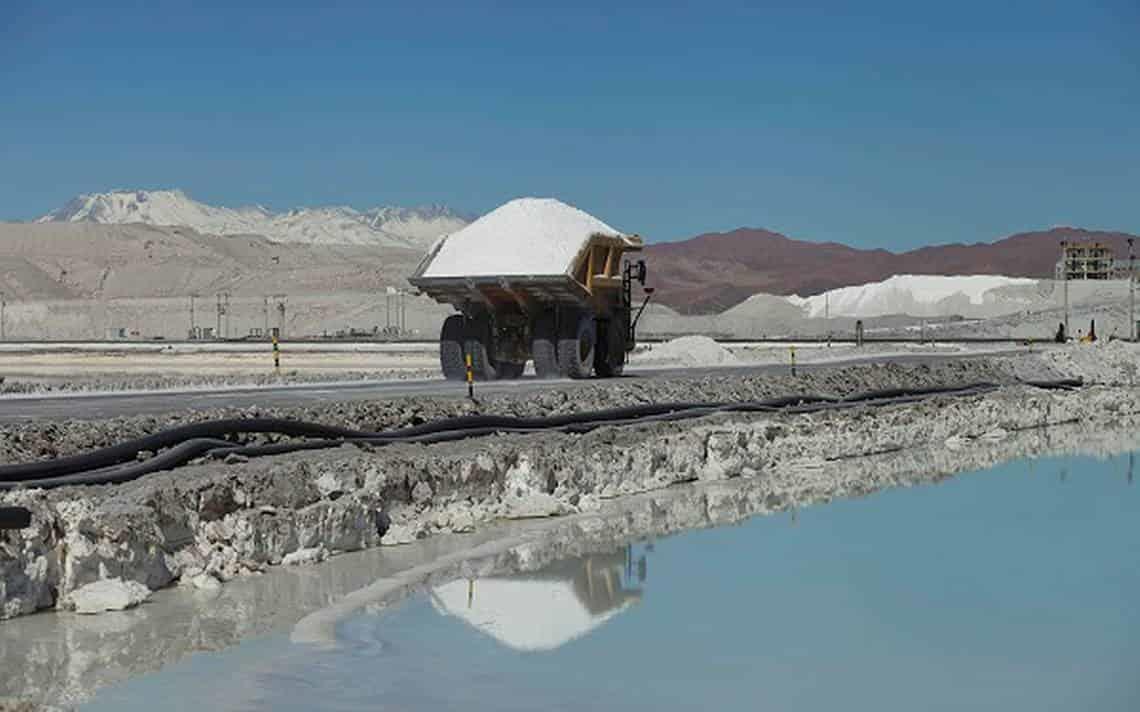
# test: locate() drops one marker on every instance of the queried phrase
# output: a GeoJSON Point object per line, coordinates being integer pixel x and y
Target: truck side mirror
{"type": "Point", "coordinates": [642, 272]}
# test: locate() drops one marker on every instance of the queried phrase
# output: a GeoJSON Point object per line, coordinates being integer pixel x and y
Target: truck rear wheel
{"type": "Point", "coordinates": [451, 360]}
{"type": "Point", "coordinates": [479, 345]}
{"type": "Point", "coordinates": [509, 371]}
{"type": "Point", "coordinates": [609, 358]}
{"type": "Point", "coordinates": [544, 347]}
{"type": "Point", "coordinates": [576, 346]}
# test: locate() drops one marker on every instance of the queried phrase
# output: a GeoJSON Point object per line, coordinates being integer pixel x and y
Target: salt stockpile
{"type": "Point", "coordinates": [1114, 363]}
{"type": "Point", "coordinates": [525, 237]}
{"type": "Point", "coordinates": [924, 295]}
{"type": "Point", "coordinates": [689, 351]}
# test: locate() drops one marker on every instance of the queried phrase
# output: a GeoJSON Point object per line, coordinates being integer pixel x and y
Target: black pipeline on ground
{"type": "Point", "coordinates": [178, 446]}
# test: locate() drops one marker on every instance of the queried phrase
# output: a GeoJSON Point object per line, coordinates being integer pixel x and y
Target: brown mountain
{"type": "Point", "coordinates": [712, 272]}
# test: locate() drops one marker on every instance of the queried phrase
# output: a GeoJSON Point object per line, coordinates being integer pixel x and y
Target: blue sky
{"type": "Point", "coordinates": [879, 124]}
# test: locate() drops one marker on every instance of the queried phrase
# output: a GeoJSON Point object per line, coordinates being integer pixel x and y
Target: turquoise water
{"type": "Point", "coordinates": [1012, 589]}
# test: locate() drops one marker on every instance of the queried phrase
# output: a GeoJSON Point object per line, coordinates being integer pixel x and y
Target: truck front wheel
{"type": "Point", "coordinates": [609, 358]}
{"type": "Point", "coordinates": [451, 348]}
{"type": "Point", "coordinates": [576, 346]}
{"type": "Point", "coordinates": [479, 345]}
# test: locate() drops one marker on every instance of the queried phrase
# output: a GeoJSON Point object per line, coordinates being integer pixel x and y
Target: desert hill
{"type": "Point", "coordinates": [715, 271]}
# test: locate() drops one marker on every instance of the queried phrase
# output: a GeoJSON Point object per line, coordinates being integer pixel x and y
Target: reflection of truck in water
{"type": "Point", "coordinates": [535, 280]}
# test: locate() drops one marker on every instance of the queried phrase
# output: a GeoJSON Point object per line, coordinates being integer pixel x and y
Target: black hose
{"type": "Point", "coordinates": [1064, 384]}
{"type": "Point", "coordinates": [129, 450]}
{"type": "Point", "coordinates": [180, 454]}
{"type": "Point", "coordinates": [185, 443]}
{"type": "Point", "coordinates": [888, 393]}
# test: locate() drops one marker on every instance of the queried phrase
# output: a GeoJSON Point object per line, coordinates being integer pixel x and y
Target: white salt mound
{"type": "Point", "coordinates": [691, 351]}
{"type": "Point", "coordinates": [527, 236]}
{"type": "Point", "coordinates": [1114, 363]}
{"type": "Point", "coordinates": [913, 294]}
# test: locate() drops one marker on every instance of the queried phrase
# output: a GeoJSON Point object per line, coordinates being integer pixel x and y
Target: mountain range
{"type": "Point", "coordinates": [708, 273]}
{"type": "Point", "coordinates": [715, 271]}
{"type": "Point", "coordinates": [414, 228]}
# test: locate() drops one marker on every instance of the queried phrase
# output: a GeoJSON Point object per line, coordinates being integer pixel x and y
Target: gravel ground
{"type": "Point", "coordinates": [46, 440]}
{"type": "Point", "coordinates": [100, 368]}
{"type": "Point", "coordinates": [112, 381]}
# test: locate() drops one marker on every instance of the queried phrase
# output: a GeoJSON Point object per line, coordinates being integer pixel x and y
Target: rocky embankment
{"type": "Point", "coordinates": [209, 522]}
{"type": "Point", "coordinates": [40, 440]}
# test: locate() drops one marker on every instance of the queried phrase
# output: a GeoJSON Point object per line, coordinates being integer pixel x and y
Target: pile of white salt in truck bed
{"type": "Point", "coordinates": [525, 237]}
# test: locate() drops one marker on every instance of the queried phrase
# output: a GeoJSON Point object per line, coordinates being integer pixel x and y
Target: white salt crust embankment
{"type": "Point", "coordinates": [212, 521]}
{"type": "Point", "coordinates": [48, 660]}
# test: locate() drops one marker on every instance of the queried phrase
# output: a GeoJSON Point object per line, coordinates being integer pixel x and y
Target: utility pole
{"type": "Point", "coordinates": [1065, 276]}
{"type": "Point", "coordinates": [3, 308]}
{"type": "Point", "coordinates": [403, 312]}
{"type": "Point", "coordinates": [827, 315]}
{"type": "Point", "coordinates": [223, 311]}
{"type": "Point", "coordinates": [265, 313]}
{"type": "Point", "coordinates": [280, 299]}
{"type": "Point", "coordinates": [1131, 290]}
{"type": "Point", "coordinates": [192, 325]}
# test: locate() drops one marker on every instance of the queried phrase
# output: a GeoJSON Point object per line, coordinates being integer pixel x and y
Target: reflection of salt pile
{"type": "Point", "coordinates": [924, 295]}
{"type": "Point", "coordinates": [543, 610]}
{"type": "Point", "coordinates": [690, 351]}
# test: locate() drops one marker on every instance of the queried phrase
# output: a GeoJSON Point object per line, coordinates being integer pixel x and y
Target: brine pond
{"type": "Point", "coordinates": [1016, 588]}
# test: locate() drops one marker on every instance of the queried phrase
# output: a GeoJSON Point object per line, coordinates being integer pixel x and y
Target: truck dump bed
{"type": "Point", "coordinates": [499, 290]}
{"type": "Point", "coordinates": [525, 252]}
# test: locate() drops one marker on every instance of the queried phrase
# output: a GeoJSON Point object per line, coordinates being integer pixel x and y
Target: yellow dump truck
{"type": "Point", "coordinates": [539, 280]}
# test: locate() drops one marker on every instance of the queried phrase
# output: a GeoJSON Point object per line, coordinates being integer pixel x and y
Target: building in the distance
{"type": "Point", "coordinates": [1087, 260]}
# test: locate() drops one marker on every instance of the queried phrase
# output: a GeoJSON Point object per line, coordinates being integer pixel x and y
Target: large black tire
{"type": "Point", "coordinates": [609, 357]}
{"type": "Point", "coordinates": [478, 343]}
{"type": "Point", "coordinates": [544, 346]}
{"type": "Point", "coordinates": [509, 371]}
{"type": "Point", "coordinates": [576, 345]}
{"type": "Point", "coordinates": [451, 359]}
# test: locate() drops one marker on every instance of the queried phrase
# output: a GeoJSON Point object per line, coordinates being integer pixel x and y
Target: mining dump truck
{"type": "Point", "coordinates": [539, 280]}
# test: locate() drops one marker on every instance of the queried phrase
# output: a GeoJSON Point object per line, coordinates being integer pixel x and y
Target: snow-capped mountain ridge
{"type": "Point", "coordinates": [333, 225]}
